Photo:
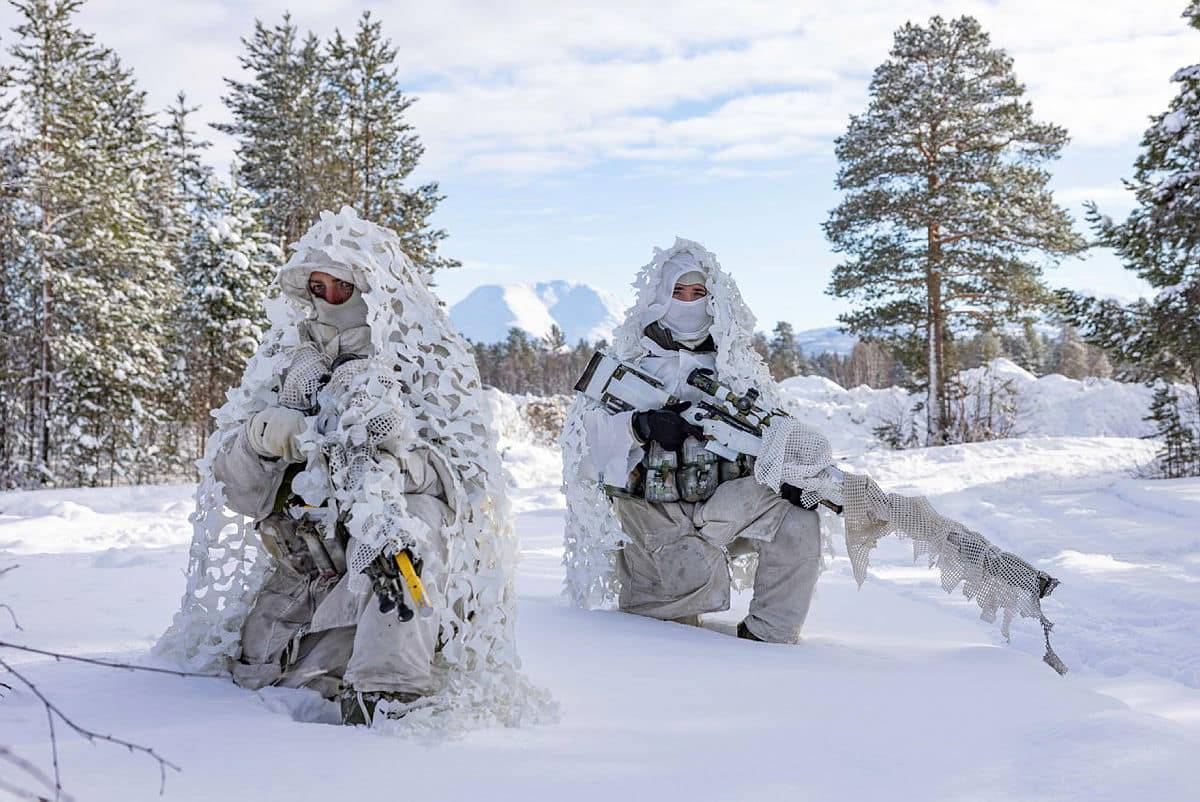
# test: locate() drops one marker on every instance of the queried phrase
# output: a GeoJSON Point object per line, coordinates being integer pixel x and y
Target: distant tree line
{"type": "Point", "coordinates": [524, 364]}
{"type": "Point", "coordinates": [132, 277]}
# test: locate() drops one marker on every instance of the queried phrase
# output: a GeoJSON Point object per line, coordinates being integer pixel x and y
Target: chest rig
{"type": "Point", "coordinates": [690, 474]}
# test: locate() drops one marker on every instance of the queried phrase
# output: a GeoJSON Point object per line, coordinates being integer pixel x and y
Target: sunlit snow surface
{"type": "Point", "coordinates": [897, 692]}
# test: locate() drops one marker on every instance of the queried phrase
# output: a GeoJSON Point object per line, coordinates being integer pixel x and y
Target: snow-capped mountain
{"type": "Point", "coordinates": [581, 311]}
{"type": "Point", "coordinates": [828, 338]}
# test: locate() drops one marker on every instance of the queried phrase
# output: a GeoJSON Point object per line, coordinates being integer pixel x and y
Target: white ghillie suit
{"type": "Point", "coordinates": [791, 453]}
{"type": "Point", "coordinates": [683, 553]}
{"type": "Point", "coordinates": [418, 389]}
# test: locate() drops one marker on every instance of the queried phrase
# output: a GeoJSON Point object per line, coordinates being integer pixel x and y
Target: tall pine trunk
{"type": "Point", "coordinates": [935, 365]}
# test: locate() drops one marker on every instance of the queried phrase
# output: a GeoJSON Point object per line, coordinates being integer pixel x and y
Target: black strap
{"type": "Point", "coordinates": [663, 339]}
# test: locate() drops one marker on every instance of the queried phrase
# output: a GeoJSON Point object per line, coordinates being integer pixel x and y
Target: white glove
{"type": "Point", "coordinates": [272, 433]}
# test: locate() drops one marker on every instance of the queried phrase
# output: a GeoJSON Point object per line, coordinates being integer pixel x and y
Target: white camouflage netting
{"type": "Point", "coordinates": [592, 535]}
{"type": "Point", "coordinates": [798, 455]}
{"type": "Point", "coordinates": [792, 453]}
{"type": "Point", "coordinates": [421, 385]}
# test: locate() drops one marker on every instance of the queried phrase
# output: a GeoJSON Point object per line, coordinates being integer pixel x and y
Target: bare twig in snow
{"type": "Point", "coordinates": [36, 774]}
{"type": "Point", "coordinates": [105, 663]}
{"type": "Point", "coordinates": [54, 711]}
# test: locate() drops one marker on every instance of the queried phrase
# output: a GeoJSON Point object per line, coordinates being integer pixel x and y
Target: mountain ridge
{"type": "Point", "coordinates": [581, 311]}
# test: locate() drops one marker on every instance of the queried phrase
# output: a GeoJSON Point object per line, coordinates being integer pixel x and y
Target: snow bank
{"type": "Point", "coordinates": [1051, 405]}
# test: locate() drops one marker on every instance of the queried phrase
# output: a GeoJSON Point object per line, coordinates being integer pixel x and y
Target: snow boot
{"type": "Point", "coordinates": [744, 633]}
{"type": "Point", "coordinates": [359, 708]}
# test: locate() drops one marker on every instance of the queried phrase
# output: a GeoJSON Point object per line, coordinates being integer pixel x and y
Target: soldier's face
{"type": "Point", "coordinates": [329, 289]}
{"type": "Point", "coordinates": [689, 292]}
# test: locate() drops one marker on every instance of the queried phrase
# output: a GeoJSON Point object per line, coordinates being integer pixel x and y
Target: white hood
{"type": "Point", "coordinates": [592, 533]}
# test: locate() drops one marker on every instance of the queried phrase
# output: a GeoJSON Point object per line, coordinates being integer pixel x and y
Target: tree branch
{"type": "Point", "coordinates": [106, 663]}
{"type": "Point", "coordinates": [8, 756]}
{"type": "Point", "coordinates": [53, 711]}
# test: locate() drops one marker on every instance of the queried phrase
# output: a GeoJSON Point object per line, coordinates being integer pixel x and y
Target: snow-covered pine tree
{"type": "Point", "coordinates": [378, 149]}
{"type": "Point", "coordinates": [321, 126]}
{"type": "Point", "coordinates": [947, 219]}
{"type": "Point", "coordinates": [190, 183]}
{"type": "Point", "coordinates": [286, 123]}
{"type": "Point", "coordinates": [15, 319]}
{"type": "Point", "coordinates": [226, 261]}
{"type": "Point", "coordinates": [785, 358]}
{"type": "Point", "coordinates": [102, 285]}
{"type": "Point", "coordinates": [229, 262]}
{"type": "Point", "coordinates": [1030, 350]}
{"type": "Point", "coordinates": [1179, 453]}
{"type": "Point", "coordinates": [1070, 357]}
{"type": "Point", "coordinates": [1158, 340]}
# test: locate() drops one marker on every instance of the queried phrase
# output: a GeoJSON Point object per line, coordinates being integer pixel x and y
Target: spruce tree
{"type": "Point", "coordinates": [1070, 357]}
{"type": "Point", "coordinates": [785, 357]}
{"type": "Point", "coordinates": [1157, 340]}
{"type": "Point", "coordinates": [229, 262]}
{"type": "Point", "coordinates": [947, 219]}
{"type": "Point", "coordinates": [322, 125]}
{"type": "Point", "coordinates": [1179, 451]}
{"type": "Point", "coordinates": [377, 147]}
{"type": "Point", "coordinates": [226, 261]}
{"type": "Point", "coordinates": [285, 121]}
{"type": "Point", "coordinates": [102, 286]}
{"type": "Point", "coordinates": [15, 299]}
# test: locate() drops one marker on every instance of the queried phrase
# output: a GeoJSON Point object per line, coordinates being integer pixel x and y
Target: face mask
{"type": "Point", "coordinates": [349, 314]}
{"type": "Point", "coordinates": [688, 320]}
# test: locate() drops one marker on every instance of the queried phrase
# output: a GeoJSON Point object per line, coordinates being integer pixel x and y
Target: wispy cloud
{"type": "Point", "coordinates": [536, 88]}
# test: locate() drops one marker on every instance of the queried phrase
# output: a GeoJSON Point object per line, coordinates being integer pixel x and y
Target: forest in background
{"type": "Point", "coordinates": [132, 275]}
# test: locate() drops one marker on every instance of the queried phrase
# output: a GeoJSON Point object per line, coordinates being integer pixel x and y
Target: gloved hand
{"type": "Point", "coordinates": [665, 426]}
{"type": "Point", "coordinates": [792, 493]}
{"type": "Point", "coordinates": [272, 433]}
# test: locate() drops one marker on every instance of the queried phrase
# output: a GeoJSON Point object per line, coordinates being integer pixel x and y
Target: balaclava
{"type": "Point", "coordinates": [349, 314]}
{"type": "Point", "coordinates": [688, 320]}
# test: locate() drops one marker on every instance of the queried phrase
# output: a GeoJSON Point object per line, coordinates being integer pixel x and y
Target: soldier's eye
{"type": "Point", "coordinates": [344, 285]}
{"type": "Point", "coordinates": [317, 289]}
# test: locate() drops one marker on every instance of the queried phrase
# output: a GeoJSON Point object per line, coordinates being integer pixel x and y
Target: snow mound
{"type": "Point", "coordinates": [1051, 405]}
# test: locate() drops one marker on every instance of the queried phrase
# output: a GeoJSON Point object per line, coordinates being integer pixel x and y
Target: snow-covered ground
{"type": "Point", "coordinates": [897, 691]}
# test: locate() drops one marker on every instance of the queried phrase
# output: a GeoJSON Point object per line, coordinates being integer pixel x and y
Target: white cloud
{"type": "Point", "coordinates": [550, 87]}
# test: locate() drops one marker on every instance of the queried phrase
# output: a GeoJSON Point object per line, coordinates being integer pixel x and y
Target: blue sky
{"type": "Point", "coordinates": [571, 138]}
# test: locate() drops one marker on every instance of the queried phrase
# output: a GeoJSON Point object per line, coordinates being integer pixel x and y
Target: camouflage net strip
{"type": "Point", "coordinates": [995, 579]}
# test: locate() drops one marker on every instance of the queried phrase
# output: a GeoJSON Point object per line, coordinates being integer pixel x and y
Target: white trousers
{"type": "Point", "coordinates": [675, 561]}
{"type": "Point", "coordinates": [311, 633]}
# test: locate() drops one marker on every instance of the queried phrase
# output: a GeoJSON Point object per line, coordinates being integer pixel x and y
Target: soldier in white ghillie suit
{"type": "Point", "coordinates": [683, 470]}
{"type": "Point", "coordinates": [351, 531]}
{"type": "Point", "coordinates": [671, 543]}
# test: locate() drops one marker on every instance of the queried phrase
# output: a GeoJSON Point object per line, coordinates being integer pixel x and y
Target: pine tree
{"type": "Point", "coordinates": [378, 149]}
{"type": "Point", "coordinates": [947, 218]}
{"type": "Point", "coordinates": [1179, 452]}
{"type": "Point", "coordinates": [92, 180]}
{"type": "Point", "coordinates": [1070, 357]}
{"type": "Point", "coordinates": [785, 359]}
{"type": "Point", "coordinates": [226, 261]}
{"type": "Point", "coordinates": [319, 126]}
{"type": "Point", "coordinates": [229, 262]}
{"type": "Point", "coordinates": [1157, 340]}
{"type": "Point", "coordinates": [1031, 352]}
{"type": "Point", "coordinates": [285, 121]}
{"type": "Point", "coordinates": [15, 299]}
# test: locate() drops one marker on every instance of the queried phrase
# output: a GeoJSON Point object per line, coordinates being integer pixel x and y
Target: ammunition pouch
{"type": "Point", "coordinates": [299, 545]}
{"type": "Point", "coordinates": [691, 474]}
